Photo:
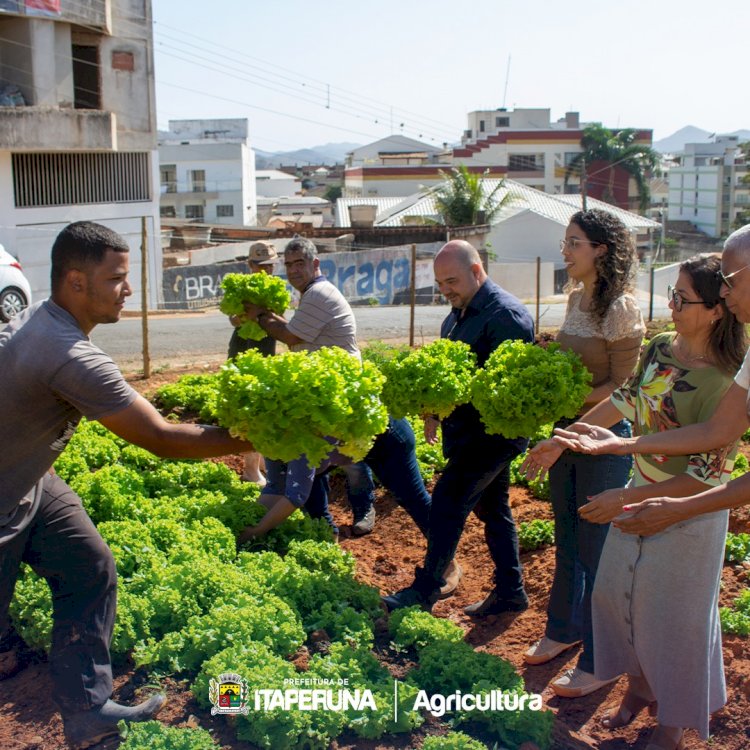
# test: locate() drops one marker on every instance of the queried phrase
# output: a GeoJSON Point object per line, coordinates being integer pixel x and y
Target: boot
{"type": "Point", "coordinates": [87, 728]}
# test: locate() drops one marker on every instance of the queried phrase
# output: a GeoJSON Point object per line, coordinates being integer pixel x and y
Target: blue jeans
{"type": "Point", "coordinates": [476, 478]}
{"type": "Point", "coordinates": [393, 458]}
{"type": "Point", "coordinates": [579, 543]}
{"type": "Point", "coordinates": [317, 502]}
{"type": "Point", "coordinates": [360, 488]}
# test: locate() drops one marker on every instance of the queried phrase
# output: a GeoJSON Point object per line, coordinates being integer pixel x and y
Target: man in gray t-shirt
{"type": "Point", "coordinates": [53, 375]}
{"type": "Point", "coordinates": [323, 318]}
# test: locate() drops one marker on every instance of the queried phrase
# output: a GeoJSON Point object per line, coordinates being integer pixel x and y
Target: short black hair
{"type": "Point", "coordinates": [81, 245]}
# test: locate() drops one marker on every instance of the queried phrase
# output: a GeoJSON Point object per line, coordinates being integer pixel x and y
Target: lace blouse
{"type": "Point", "coordinates": [609, 348]}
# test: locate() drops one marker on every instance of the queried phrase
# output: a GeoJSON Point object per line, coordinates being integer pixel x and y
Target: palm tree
{"type": "Point", "coordinates": [461, 197]}
{"type": "Point", "coordinates": [615, 149]}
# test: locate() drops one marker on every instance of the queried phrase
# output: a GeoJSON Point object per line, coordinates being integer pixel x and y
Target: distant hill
{"type": "Point", "coordinates": [675, 143]}
{"type": "Point", "coordinates": [329, 153]}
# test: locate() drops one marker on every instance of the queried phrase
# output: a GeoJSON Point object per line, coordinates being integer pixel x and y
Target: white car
{"type": "Point", "coordinates": [15, 291]}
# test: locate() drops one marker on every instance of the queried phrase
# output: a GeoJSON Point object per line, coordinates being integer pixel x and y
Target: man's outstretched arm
{"type": "Point", "coordinates": [141, 424]}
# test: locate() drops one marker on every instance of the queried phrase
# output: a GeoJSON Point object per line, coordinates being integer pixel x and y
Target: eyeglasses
{"type": "Point", "coordinates": [678, 300]}
{"type": "Point", "coordinates": [725, 279]}
{"type": "Point", "coordinates": [572, 243]}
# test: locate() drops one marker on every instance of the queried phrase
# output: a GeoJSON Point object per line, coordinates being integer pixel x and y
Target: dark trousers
{"type": "Point", "coordinates": [578, 544]}
{"type": "Point", "coordinates": [476, 478]}
{"type": "Point", "coordinates": [317, 501]}
{"type": "Point", "coordinates": [62, 545]}
{"type": "Point", "coordinates": [393, 458]}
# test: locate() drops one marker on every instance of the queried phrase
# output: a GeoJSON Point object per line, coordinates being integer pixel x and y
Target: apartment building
{"type": "Point", "coordinates": [207, 172]}
{"type": "Point", "coordinates": [707, 188]}
{"type": "Point", "coordinates": [535, 151]}
{"type": "Point", "coordinates": [77, 129]}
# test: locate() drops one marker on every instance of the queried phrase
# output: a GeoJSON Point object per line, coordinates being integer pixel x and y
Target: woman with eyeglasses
{"type": "Point", "coordinates": [655, 602]}
{"type": "Point", "coordinates": [603, 325]}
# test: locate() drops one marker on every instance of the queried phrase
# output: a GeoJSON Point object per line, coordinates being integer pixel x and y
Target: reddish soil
{"type": "Point", "coordinates": [386, 559]}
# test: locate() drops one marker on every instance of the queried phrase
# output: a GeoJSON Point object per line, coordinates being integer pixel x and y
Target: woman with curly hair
{"type": "Point", "coordinates": [603, 325]}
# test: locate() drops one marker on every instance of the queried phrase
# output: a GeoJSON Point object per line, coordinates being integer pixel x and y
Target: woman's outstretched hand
{"type": "Point", "coordinates": [587, 438]}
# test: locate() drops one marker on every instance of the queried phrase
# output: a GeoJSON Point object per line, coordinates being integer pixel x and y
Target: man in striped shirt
{"type": "Point", "coordinates": [323, 318]}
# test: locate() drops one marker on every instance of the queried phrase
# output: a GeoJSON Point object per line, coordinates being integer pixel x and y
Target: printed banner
{"type": "Point", "coordinates": [381, 276]}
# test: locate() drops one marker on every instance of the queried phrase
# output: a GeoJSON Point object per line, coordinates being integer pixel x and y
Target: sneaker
{"type": "Point", "coordinates": [365, 524]}
{"type": "Point", "coordinates": [87, 728]}
{"type": "Point", "coordinates": [408, 597]}
{"type": "Point", "coordinates": [545, 650]}
{"type": "Point", "coordinates": [452, 575]}
{"type": "Point", "coordinates": [495, 604]}
{"type": "Point", "coordinates": [575, 683]}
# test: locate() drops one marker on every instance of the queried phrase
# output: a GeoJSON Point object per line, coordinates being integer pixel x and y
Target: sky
{"type": "Point", "coordinates": [308, 73]}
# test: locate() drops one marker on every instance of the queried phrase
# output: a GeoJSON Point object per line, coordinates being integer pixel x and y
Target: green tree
{"type": "Point", "coordinates": [461, 196]}
{"type": "Point", "coordinates": [333, 193]}
{"type": "Point", "coordinates": [616, 149]}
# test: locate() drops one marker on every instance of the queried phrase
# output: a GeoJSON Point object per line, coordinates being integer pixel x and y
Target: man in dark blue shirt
{"type": "Point", "coordinates": [477, 475]}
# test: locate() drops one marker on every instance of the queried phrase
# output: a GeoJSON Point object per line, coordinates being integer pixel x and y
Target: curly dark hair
{"type": "Point", "coordinates": [728, 340]}
{"type": "Point", "coordinates": [615, 269]}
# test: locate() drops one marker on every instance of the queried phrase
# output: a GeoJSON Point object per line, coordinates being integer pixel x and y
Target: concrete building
{"type": "Point", "coordinates": [528, 147]}
{"type": "Point", "coordinates": [308, 210]}
{"type": "Point", "coordinates": [522, 144]}
{"type": "Point", "coordinates": [393, 166]}
{"type": "Point", "coordinates": [707, 187]}
{"type": "Point", "coordinates": [273, 183]}
{"type": "Point", "coordinates": [208, 172]}
{"type": "Point", "coordinates": [78, 140]}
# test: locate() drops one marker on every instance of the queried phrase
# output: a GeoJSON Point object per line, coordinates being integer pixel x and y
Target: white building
{"type": "Point", "coordinates": [525, 145]}
{"type": "Point", "coordinates": [302, 209]}
{"type": "Point", "coordinates": [80, 142]}
{"type": "Point", "coordinates": [208, 172]}
{"type": "Point", "coordinates": [394, 149]}
{"type": "Point", "coordinates": [706, 188]}
{"type": "Point", "coordinates": [273, 183]}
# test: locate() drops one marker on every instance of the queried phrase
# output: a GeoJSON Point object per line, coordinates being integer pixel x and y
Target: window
{"type": "Point", "coordinates": [194, 212]}
{"type": "Point", "coordinates": [481, 126]}
{"type": "Point", "coordinates": [198, 180]}
{"type": "Point", "coordinates": [168, 178]}
{"type": "Point", "coordinates": [69, 179]}
{"type": "Point", "coordinates": [223, 211]}
{"type": "Point", "coordinates": [525, 162]}
{"type": "Point", "coordinates": [502, 122]}
{"type": "Point", "coordinates": [86, 86]}
{"type": "Point", "coordinates": [570, 156]}
{"type": "Point", "coordinates": [167, 212]}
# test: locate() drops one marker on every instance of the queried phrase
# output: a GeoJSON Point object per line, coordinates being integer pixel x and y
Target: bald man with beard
{"type": "Point", "coordinates": [477, 476]}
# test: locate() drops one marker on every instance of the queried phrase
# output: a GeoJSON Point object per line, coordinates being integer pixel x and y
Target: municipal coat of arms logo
{"type": "Point", "coordinates": [228, 694]}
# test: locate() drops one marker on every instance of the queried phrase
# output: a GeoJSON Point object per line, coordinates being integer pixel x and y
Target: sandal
{"type": "Point", "coordinates": [662, 738]}
{"type": "Point", "coordinates": [632, 704]}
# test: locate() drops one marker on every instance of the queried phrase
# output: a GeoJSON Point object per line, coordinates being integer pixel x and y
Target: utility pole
{"type": "Point", "coordinates": [583, 183]}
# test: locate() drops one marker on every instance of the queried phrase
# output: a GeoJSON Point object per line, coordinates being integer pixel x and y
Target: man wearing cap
{"type": "Point", "coordinates": [323, 318]}
{"type": "Point", "coordinates": [262, 258]}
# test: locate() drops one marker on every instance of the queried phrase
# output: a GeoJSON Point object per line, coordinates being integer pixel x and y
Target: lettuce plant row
{"type": "Point", "coordinates": [190, 604]}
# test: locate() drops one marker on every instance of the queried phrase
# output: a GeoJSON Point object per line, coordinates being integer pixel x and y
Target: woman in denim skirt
{"type": "Point", "coordinates": [604, 326]}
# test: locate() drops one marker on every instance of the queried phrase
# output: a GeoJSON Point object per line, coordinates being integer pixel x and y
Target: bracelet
{"type": "Point", "coordinates": [622, 497]}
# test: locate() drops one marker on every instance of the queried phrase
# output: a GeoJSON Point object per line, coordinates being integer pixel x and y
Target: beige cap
{"type": "Point", "coordinates": [263, 252]}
